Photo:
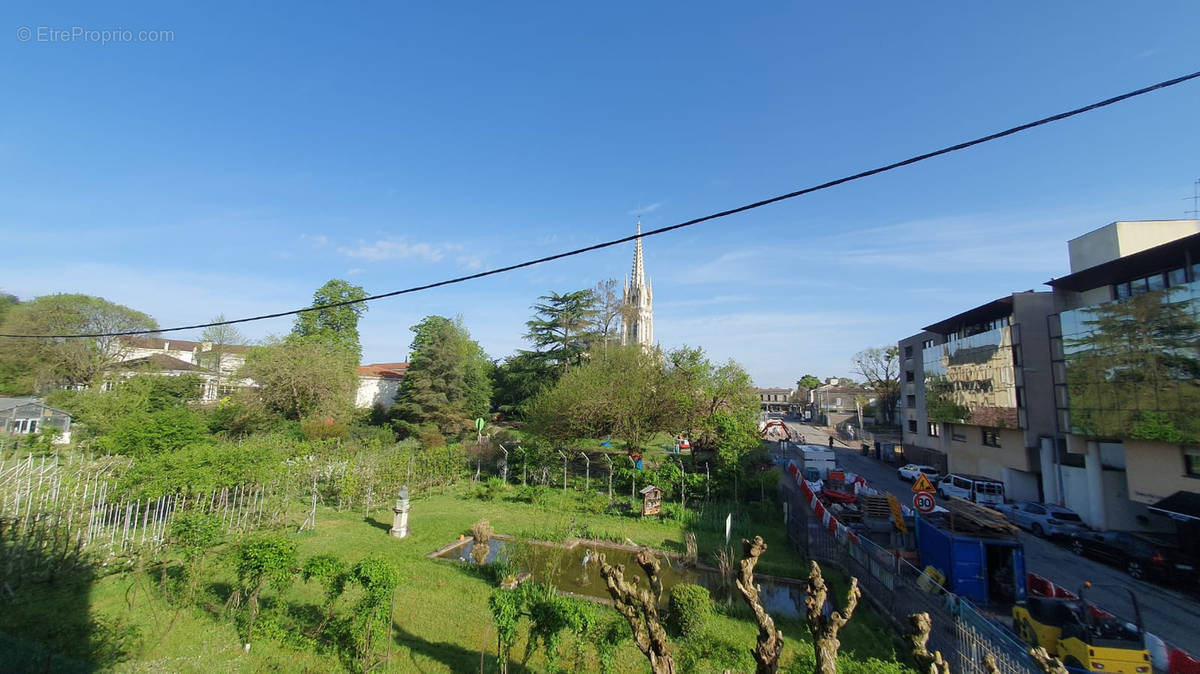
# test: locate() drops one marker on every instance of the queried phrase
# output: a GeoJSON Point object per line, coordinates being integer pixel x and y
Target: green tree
{"type": "Point", "coordinates": [880, 368]}
{"type": "Point", "coordinates": [808, 381]}
{"type": "Point", "coordinates": [7, 301]}
{"type": "Point", "coordinates": [561, 329]}
{"type": "Point", "coordinates": [300, 378]}
{"type": "Point", "coordinates": [41, 364]}
{"type": "Point", "coordinates": [518, 379]}
{"type": "Point", "coordinates": [607, 305]}
{"type": "Point", "coordinates": [620, 391]}
{"type": "Point", "coordinates": [336, 326]}
{"type": "Point", "coordinates": [700, 391]}
{"type": "Point", "coordinates": [449, 379]}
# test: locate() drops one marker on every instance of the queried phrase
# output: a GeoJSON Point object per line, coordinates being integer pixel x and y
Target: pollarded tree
{"type": "Point", "coordinates": [336, 326]}
{"type": "Point", "coordinates": [40, 364]}
{"type": "Point", "coordinates": [561, 329]}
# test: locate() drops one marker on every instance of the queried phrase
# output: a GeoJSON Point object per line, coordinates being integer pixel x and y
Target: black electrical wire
{"type": "Point", "coordinates": [661, 230]}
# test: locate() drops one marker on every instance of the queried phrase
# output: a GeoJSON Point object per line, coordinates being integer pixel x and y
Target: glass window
{"type": "Point", "coordinates": [909, 376]}
{"type": "Point", "coordinates": [1196, 271]}
{"type": "Point", "coordinates": [1036, 509]}
{"type": "Point", "coordinates": [1138, 287]}
{"type": "Point", "coordinates": [908, 350]}
{"type": "Point", "coordinates": [1121, 290]}
{"type": "Point", "coordinates": [1156, 282]}
{"type": "Point", "coordinates": [1176, 277]}
{"type": "Point", "coordinates": [935, 429]}
{"type": "Point", "coordinates": [910, 400]}
{"type": "Point", "coordinates": [912, 425]}
{"type": "Point", "coordinates": [991, 437]}
{"type": "Point", "coordinates": [1191, 461]}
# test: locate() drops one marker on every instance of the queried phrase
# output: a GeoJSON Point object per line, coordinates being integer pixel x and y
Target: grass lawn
{"type": "Point", "coordinates": [442, 620]}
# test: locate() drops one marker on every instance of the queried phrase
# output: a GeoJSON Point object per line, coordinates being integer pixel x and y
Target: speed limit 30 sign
{"type": "Point", "coordinates": [924, 502]}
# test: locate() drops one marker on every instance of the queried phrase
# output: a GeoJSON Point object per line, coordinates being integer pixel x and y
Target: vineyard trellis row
{"type": "Point", "coordinates": [56, 516]}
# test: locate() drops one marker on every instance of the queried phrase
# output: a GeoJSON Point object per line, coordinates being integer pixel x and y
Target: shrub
{"type": "Point", "coordinates": [713, 651]}
{"type": "Point", "coordinates": [690, 608]}
{"type": "Point", "coordinates": [594, 504]}
{"type": "Point", "coordinates": [155, 432]}
{"type": "Point", "coordinates": [323, 428]}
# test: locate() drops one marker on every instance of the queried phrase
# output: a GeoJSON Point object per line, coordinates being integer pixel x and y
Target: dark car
{"type": "Point", "coordinates": [1141, 555]}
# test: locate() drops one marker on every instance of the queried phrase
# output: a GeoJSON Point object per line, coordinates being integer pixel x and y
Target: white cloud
{"type": "Point", "coordinates": [393, 249]}
{"type": "Point", "coordinates": [354, 272]}
{"type": "Point", "coordinates": [646, 210]}
{"type": "Point", "coordinates": [317, 240]}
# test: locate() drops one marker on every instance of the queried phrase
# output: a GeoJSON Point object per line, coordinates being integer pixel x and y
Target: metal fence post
{"type": "Point", "coordinates": [564, 456]}
{"type": "Point", "coordinates": [587, 475]}
{"type": "Point", "coordinates": [610, 472]}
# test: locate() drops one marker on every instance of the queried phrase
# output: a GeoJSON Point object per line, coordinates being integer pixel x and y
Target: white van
{"type": "Point", "coordinates": [981, 490]}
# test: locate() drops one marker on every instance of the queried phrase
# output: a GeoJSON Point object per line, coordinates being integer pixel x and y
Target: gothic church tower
{"type": "Point", "coordinates": [637, 320]}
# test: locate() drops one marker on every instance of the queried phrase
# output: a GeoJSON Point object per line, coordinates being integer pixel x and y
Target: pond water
{"type": "Point", "coordinates": [576, 570]}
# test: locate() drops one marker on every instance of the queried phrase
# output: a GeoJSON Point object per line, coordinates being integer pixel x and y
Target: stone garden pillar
{"type": "Point", "coordinates": [400, 520]}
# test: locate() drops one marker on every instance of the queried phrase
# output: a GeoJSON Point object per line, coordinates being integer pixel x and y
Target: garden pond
{"type": "Point", "coordinates": [574, 568]}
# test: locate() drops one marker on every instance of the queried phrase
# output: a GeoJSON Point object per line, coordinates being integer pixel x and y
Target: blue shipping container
{"type": "Point", "coordinates": [984, 569]}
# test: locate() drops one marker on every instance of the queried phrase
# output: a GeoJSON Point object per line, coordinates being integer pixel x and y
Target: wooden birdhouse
{"type": "Point", "coordinates": [651, 500]}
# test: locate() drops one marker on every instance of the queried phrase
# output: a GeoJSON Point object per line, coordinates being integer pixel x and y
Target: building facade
{"type": "Point", "coordinates": [976, 393]}
{"type": "Point", "coordinates": [1087, 396]}
{"type": "Point", "coordinates": [379, 384]}
{"type": "Point", "coordinates": [777, 400]}
{"type": "Point", "coordinates": [1126, 364]}
{"type": "Point", "coordinates": [637, 319]}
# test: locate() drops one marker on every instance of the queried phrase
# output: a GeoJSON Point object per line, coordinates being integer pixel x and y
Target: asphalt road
{"type": "Point", "coordinates": [1171, 615]}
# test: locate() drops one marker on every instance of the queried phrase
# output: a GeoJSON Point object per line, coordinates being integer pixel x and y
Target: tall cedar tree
{"type": "Point", "coordinates": [448, 380]}
{"type": "Point", "coordinates": [561, 329]}
{"type": "Point", "coordinates": [335, 326]}
{"type": "Point", "coordinates": [33, 365]}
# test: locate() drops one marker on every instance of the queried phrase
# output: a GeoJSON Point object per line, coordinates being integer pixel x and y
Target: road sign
{"type": "Point", "coordinates": [923, 484]}
{"type": "Point", "coordinates": [924, 503]}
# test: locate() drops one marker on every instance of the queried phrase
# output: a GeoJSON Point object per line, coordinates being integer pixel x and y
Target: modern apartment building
{"type": "Point", "coordinates": [976, 394]}
{"type": "Point", "coordinates": [1088, 395]}
{"type": "Point", "coordinates": [1126, 364]}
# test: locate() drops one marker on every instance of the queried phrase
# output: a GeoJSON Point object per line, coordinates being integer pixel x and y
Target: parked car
{"type": "Point", "coordinates": [981, 490]}
{"type": "Point", "coordinates": [1141, 555]}
{"type": "Point", "coordinates": [909, 472]}
{"type": "Point", "coordinates": [1042, 519]}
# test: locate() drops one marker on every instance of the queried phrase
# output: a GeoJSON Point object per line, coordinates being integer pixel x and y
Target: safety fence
{"type": "Point", "coordinates": [961, 631]}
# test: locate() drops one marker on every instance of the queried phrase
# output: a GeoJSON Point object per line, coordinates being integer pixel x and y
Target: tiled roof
{"type": "Point", "coordinates": [158, 361]}
{"type": "Point", "coordinates": [177, 344]}
{"type": "Point", "coordinates": [383, 370]}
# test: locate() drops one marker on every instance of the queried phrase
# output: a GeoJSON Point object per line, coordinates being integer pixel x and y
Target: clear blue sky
{"type": "Point", "coordinates": [266, 149]}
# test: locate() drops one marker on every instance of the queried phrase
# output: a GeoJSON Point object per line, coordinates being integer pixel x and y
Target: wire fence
{"type": "Point", "coordinates": [898, 589]}
{"type": "Point", "coordinates": [58, 514]}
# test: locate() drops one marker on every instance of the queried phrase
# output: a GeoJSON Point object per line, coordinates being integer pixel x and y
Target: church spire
{"type": "Point", "coordinates": [639, 269]}
{"type": "Point", "coordinates": [637, 323]}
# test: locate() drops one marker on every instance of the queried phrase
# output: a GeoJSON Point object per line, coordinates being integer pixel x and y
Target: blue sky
{"type": "Point", "coordinates": [265, 149]}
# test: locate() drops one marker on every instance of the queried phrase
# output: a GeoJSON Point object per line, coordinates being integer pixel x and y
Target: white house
{"type": "Point", "coordinates": [215, 365]}
{"type": "Point", "coordinates": [378, 384]}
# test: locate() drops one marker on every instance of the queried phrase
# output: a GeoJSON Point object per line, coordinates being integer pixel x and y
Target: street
{"type": "Point", "coordinates": [1171, 615]}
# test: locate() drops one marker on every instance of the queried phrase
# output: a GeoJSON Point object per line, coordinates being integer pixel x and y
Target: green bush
{"type": "Point", "coordinates": [712, 651]}
{"type": "Point", "coordinates": [594, 504]}
{"type": "Point", "coordinates": [155, 432]}
{"type": "Point", "coordinates": [690, 609]}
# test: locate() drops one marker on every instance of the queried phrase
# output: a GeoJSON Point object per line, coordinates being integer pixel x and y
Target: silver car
{"type": "Point", "coordinates": [1044, 520]}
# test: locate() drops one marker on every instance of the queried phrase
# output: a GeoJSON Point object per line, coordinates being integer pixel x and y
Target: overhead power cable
{"type": "Point", "coordinates": [661, 230]}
